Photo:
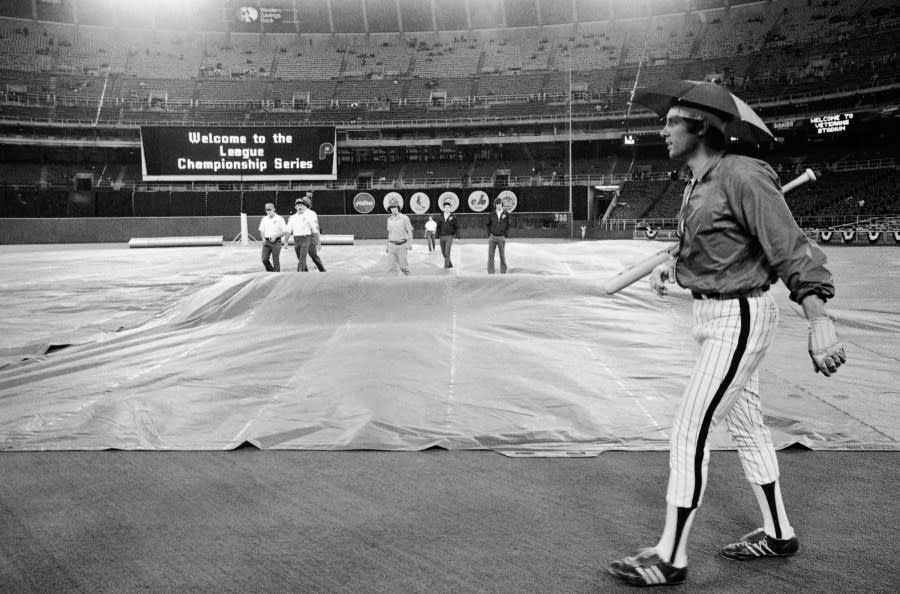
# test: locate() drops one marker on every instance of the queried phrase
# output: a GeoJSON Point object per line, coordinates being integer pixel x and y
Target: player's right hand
{"type": "Point", "coordinates": [662, 274]}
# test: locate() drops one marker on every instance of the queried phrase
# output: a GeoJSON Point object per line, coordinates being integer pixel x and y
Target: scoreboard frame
{"type": "Point", "coordinates": [238, 153]}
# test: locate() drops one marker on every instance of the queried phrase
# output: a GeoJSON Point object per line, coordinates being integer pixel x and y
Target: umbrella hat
{"type": "Point", "coordinates": [740, 121]}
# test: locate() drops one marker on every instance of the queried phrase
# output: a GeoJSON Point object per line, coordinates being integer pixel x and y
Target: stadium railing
{"type": "Point", "coordinates": [667, 224]}
{"type": "Point", "coordinates": [665, 228]}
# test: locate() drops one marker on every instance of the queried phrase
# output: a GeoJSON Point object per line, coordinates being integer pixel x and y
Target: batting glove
{"type": "Point", "coordinates": [662, 274]}
{"type": "Point", "coordinates": [825, 349]}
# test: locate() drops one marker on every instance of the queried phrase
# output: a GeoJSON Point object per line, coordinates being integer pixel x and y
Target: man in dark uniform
{"type": "Point", "coordinates": [498, 231]}
{"type": "Point", "coordinates": [447, 231]}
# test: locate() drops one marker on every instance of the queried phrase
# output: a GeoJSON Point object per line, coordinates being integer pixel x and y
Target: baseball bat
{"type": "Point", "coordinates": [629, 276]}
{"type": "Point", "coordinates": [806, 176]}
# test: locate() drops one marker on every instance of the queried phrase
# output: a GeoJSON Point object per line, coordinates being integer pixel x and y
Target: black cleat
{"type": "Point", "coordinates": [759, 545]}
{"type": "Point", "coordinates": [647, 569]}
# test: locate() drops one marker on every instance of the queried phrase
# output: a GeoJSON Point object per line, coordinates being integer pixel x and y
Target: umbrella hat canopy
{"type": "Point", "coordinates": [740, 121]}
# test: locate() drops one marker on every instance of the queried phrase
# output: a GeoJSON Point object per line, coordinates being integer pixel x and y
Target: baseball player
{"type": "Point", "coordinates": [737, 238]}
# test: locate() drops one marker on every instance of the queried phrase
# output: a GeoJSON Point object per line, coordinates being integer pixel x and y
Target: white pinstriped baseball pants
{"type": "Point", "coordinates": [734, 335]}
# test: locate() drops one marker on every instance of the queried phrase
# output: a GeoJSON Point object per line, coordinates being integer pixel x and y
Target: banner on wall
{"type": "Point", "coordinates": [479, 201]}
{"type": "Point", "coordinates": [419, 202]}
{"type": "Point", "coordinates": [448, 197]}
{"type": "Point", "coordinates": [510, 200]}
{"type": "Point", "coordinates": [363, 203]}
{"type": "Point", "coordinates": [462, 200]}
{"type": "Point", "coordinates": [392, 197]}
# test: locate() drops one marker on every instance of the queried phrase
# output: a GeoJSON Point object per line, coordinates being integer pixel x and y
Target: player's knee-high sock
{"type": "Point", "coordinates": [672, 546]}
{"type": "Point", "coordinates": [775, 520]}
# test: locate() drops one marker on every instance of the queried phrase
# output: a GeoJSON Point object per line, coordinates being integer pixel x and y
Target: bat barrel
{"type": "Point", "coordinates": [806, 176]}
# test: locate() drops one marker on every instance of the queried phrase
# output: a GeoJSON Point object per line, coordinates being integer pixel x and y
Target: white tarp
{"type": "Point", "coordinates": [198, 348]}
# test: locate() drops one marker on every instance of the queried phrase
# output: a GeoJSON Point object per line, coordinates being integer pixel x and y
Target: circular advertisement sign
{"type": "Point", "coordinates": [509, 200]}
{"type": "Point", "coordinates": [391, 197]}
{"type": "Point", "coordinates": [419, 202]}
{"type": "Point", "coordinates": [364, 203]}
{"type": "Point", "coordinates": [478, 201]}
{"type": "Point", "coordinates": [452, 198]}
{"type": "Point", "coordinates": [247, 14]}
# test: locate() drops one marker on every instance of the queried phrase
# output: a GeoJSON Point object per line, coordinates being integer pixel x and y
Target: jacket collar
{"type": "Point", "coordinates": [697, 176]}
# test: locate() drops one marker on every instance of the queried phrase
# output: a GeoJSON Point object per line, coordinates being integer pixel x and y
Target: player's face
{"type": "Point", "coordinates": [680, 143]}
{"type": "Point", "coordinates": [270, 211]}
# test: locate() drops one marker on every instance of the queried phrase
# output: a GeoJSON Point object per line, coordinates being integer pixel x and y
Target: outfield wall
{"type": "Point", "coordinates": [121, 229]}
{"type": "Point", "coordinates": [174, 201]}
{"type": "Point", "coordinates": [56, 215]}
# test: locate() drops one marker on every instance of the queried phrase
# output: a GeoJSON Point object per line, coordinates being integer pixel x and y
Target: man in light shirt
{"type": "Point", "coordinates": [273, 231]}
{"type": "Point", "coordinates": [299, 226]}
{"type": "Point", "coordinates": [430, 229]}
{"type": "Point", "coordinates": [314, 238]}
{"type": "Point", "coordinates": [399, 236]}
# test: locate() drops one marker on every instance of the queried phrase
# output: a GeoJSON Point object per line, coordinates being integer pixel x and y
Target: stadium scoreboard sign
{"type": "Point", "coordinates": [262, 14]}
{"type": "Point", "coordinates": [229, 153]}
{"type": "Point", "coordinates": [641, 138]}
{"type": "Point", "coordinates": [829, 124]}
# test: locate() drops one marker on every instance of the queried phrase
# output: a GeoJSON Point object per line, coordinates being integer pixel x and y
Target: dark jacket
{"type": "Point", "coordinates": [446, 227]}
{"type": "Point", "coordinates": [498, 225]}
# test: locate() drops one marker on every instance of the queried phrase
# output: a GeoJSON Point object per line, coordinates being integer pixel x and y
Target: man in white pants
{"type": "Point", "coordinates": [315, 238]}
{"type": "Point", "coordinates": [272, 229]}
{"type": "Point", "coordinates": [737, 238]}
{"type": "Point", "coordinates": [300, 226]}
{"type": "Point", "coordinates": [399, 238]}
{"type": "Point", "coordinates": [430, 229]}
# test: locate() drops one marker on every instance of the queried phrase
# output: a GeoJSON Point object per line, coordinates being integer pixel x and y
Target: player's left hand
{"type": "Point", "coordinates": [825, 349]}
